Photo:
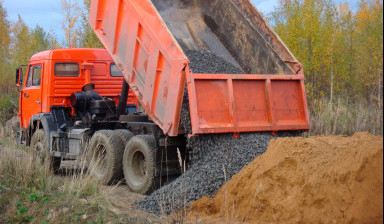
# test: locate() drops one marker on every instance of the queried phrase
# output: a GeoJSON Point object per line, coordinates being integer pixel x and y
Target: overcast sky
{"type": "Point", "coordinates": [47, 13]}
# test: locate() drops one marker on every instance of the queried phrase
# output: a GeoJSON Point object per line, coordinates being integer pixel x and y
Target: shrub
{"type": "Point", "coordinates": [8, 107]}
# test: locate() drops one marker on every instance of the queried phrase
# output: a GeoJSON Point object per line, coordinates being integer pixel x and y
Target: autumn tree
{"type": "Point", "coordinates": [307, 27]}
{"type": "Point", "coordinates": [53, 42]}
{"type": "Point", "coordinates": [22, 43]}
{"type": "Point", "coordinates": [72, 15]}
{"type": "Point", "coordinates": [342, 50]}
{"type": "Point", "coordinates": [88, 36]}
{"type": "Point", "coordinates": [26, 42]}
{"type": "Point", "coordinates": [4, 34]}
{"type": "Point", "coordinates": [369, 45]}
{"type": "Point", "coordinates": [5, 41]}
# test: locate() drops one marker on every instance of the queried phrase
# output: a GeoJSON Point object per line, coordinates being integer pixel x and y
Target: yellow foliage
{"type": "Point", "coordinates": [342, 50]}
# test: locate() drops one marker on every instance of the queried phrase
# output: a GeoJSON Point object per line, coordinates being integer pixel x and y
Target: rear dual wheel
{"type": "Point", "coordinates": [105, 155]}
{"type": "Point", "coordinates": [139, 164]}
{"type": "Point", "coordinates": [109, 161]}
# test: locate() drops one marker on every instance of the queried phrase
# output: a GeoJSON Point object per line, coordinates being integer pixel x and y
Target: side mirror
{"type": "Point", "coordinates": [19, 76]}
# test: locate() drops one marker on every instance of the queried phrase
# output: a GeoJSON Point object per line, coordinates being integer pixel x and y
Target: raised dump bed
{"type": "Point", "coordinates": [150, 41]}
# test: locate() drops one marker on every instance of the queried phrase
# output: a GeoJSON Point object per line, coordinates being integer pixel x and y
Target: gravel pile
{"type": "Point", "coordinates": [223, 157]}
{"type": "Point", "coordinates": [215, 158]}
{"type": "Point", "coordinates": [207, 62]}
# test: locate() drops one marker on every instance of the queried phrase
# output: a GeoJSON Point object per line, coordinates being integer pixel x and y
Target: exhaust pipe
{"type": "Point", "coordinates": [122, 108]}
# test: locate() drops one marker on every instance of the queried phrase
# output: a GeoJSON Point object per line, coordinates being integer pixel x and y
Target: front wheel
{"type": "Point", "coordinates": [39, 148]}
{"type": "Point", "coordinates": [139, 164]}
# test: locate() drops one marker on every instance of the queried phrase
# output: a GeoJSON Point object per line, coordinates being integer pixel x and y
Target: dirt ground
{"type": "Point", "coordinates": [332, 179]}
{"type": "Point", "coordinates": [118, 192]}
{"type": "Point", "coordinates": [119, 196]}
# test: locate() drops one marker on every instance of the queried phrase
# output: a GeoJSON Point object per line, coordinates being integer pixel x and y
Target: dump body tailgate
{"type": "Point", "coordinates": [247, 103]}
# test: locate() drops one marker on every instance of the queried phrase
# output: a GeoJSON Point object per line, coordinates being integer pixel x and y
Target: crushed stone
{"type": "Point", "coordinates": [222, 156]}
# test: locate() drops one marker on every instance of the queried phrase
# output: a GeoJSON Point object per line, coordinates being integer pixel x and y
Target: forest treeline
{"type": "Point", "coordinates": [341, 48]}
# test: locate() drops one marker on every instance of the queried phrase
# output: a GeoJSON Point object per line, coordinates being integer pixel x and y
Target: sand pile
{"type": "Point", "coordinates": [332, 179]}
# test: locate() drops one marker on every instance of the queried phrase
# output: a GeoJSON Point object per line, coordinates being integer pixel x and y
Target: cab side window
{"type": "Point", "coordinates": [67, 70]}
{"type": "Point", "coordinates": [29, 79]}
{"type": "Point", "coordinates": [115, 72]}
{"type": "Point", "coordinates": [34, 76]}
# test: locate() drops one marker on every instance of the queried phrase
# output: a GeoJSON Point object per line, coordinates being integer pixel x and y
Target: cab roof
{"type": "Point", "coordinates": [72, 53]}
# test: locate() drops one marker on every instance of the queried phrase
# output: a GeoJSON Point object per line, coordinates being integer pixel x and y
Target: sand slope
{"type": "Point", "coordinates": [332, 179]}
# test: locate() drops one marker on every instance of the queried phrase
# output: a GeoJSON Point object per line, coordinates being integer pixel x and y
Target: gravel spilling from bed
{"type": "Point", "coordinates": [215, 158]}
{"type": "Point", "coordinates": [206, 62]}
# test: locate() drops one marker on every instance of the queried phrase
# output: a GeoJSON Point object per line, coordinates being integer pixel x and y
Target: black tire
{"type": "Point", "coordinates": [104, 157]}
{"type": "Point", "coordinates": [39, 148]}
{"type": "Point", "coordinates": [124, 135]}
{"type": "Point", "coordinates": [139, 164]}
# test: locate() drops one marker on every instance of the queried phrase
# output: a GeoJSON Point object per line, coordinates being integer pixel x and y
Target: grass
{"type": "Point", "coordinates": [31, 193]}
{"type": "Point", "coordinates": [344, 117]}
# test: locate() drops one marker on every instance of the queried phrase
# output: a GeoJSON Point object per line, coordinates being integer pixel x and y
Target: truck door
{"type": "Point", "coordinates": [31, 94]}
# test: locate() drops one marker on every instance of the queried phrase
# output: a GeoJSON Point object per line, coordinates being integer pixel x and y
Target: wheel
{"type": "Point", "coordinates": [39, 148]}
{"type": "Point", "coordinates": [124, 135]}
{"type": "Point", "coordinates": [104, 157]}
{"type": "Point", "coordinates": [139, 164]}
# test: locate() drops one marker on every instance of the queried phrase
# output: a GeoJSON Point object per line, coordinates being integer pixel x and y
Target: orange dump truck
{"type": "Point", "coordinates": [237, 74]}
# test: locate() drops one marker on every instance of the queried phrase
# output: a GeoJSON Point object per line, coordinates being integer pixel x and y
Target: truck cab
{"type": "Point", "coordinates": [52, 76]}
{"type": "Point", "coordinates": [55, 101]}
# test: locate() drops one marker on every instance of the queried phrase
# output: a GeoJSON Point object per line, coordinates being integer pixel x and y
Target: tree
{"type": "Point", "coordinates": [88, 37]}
{"type": "Point", "coordinates": [5, 42]}
{"type": "Point", "coordinates": [342, 51]}
{"type": "Point", "coordinates": [53, 43]}
{"type": "Point", "coordinates": [22, 43]}
{"type": "Point", "coordinates": [72, 13]}
{"type": "Point", "coordinates": [307, 27]}
{"type": "Point", "coordinates": [345, 52]}
{"type": "Point", "coordinates": [369, 38]}
{"type": "Point", "coordinates": [5, 38]}
{"type": "Point", "coordinates": [39, 39]}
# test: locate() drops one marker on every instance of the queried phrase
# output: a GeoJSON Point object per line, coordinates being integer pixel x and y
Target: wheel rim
{"type": "Point", "coordinates": [139, 169]}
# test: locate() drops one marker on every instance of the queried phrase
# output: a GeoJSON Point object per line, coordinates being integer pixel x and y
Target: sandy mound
{"type": "Point", "coordinates": [332, 179]}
